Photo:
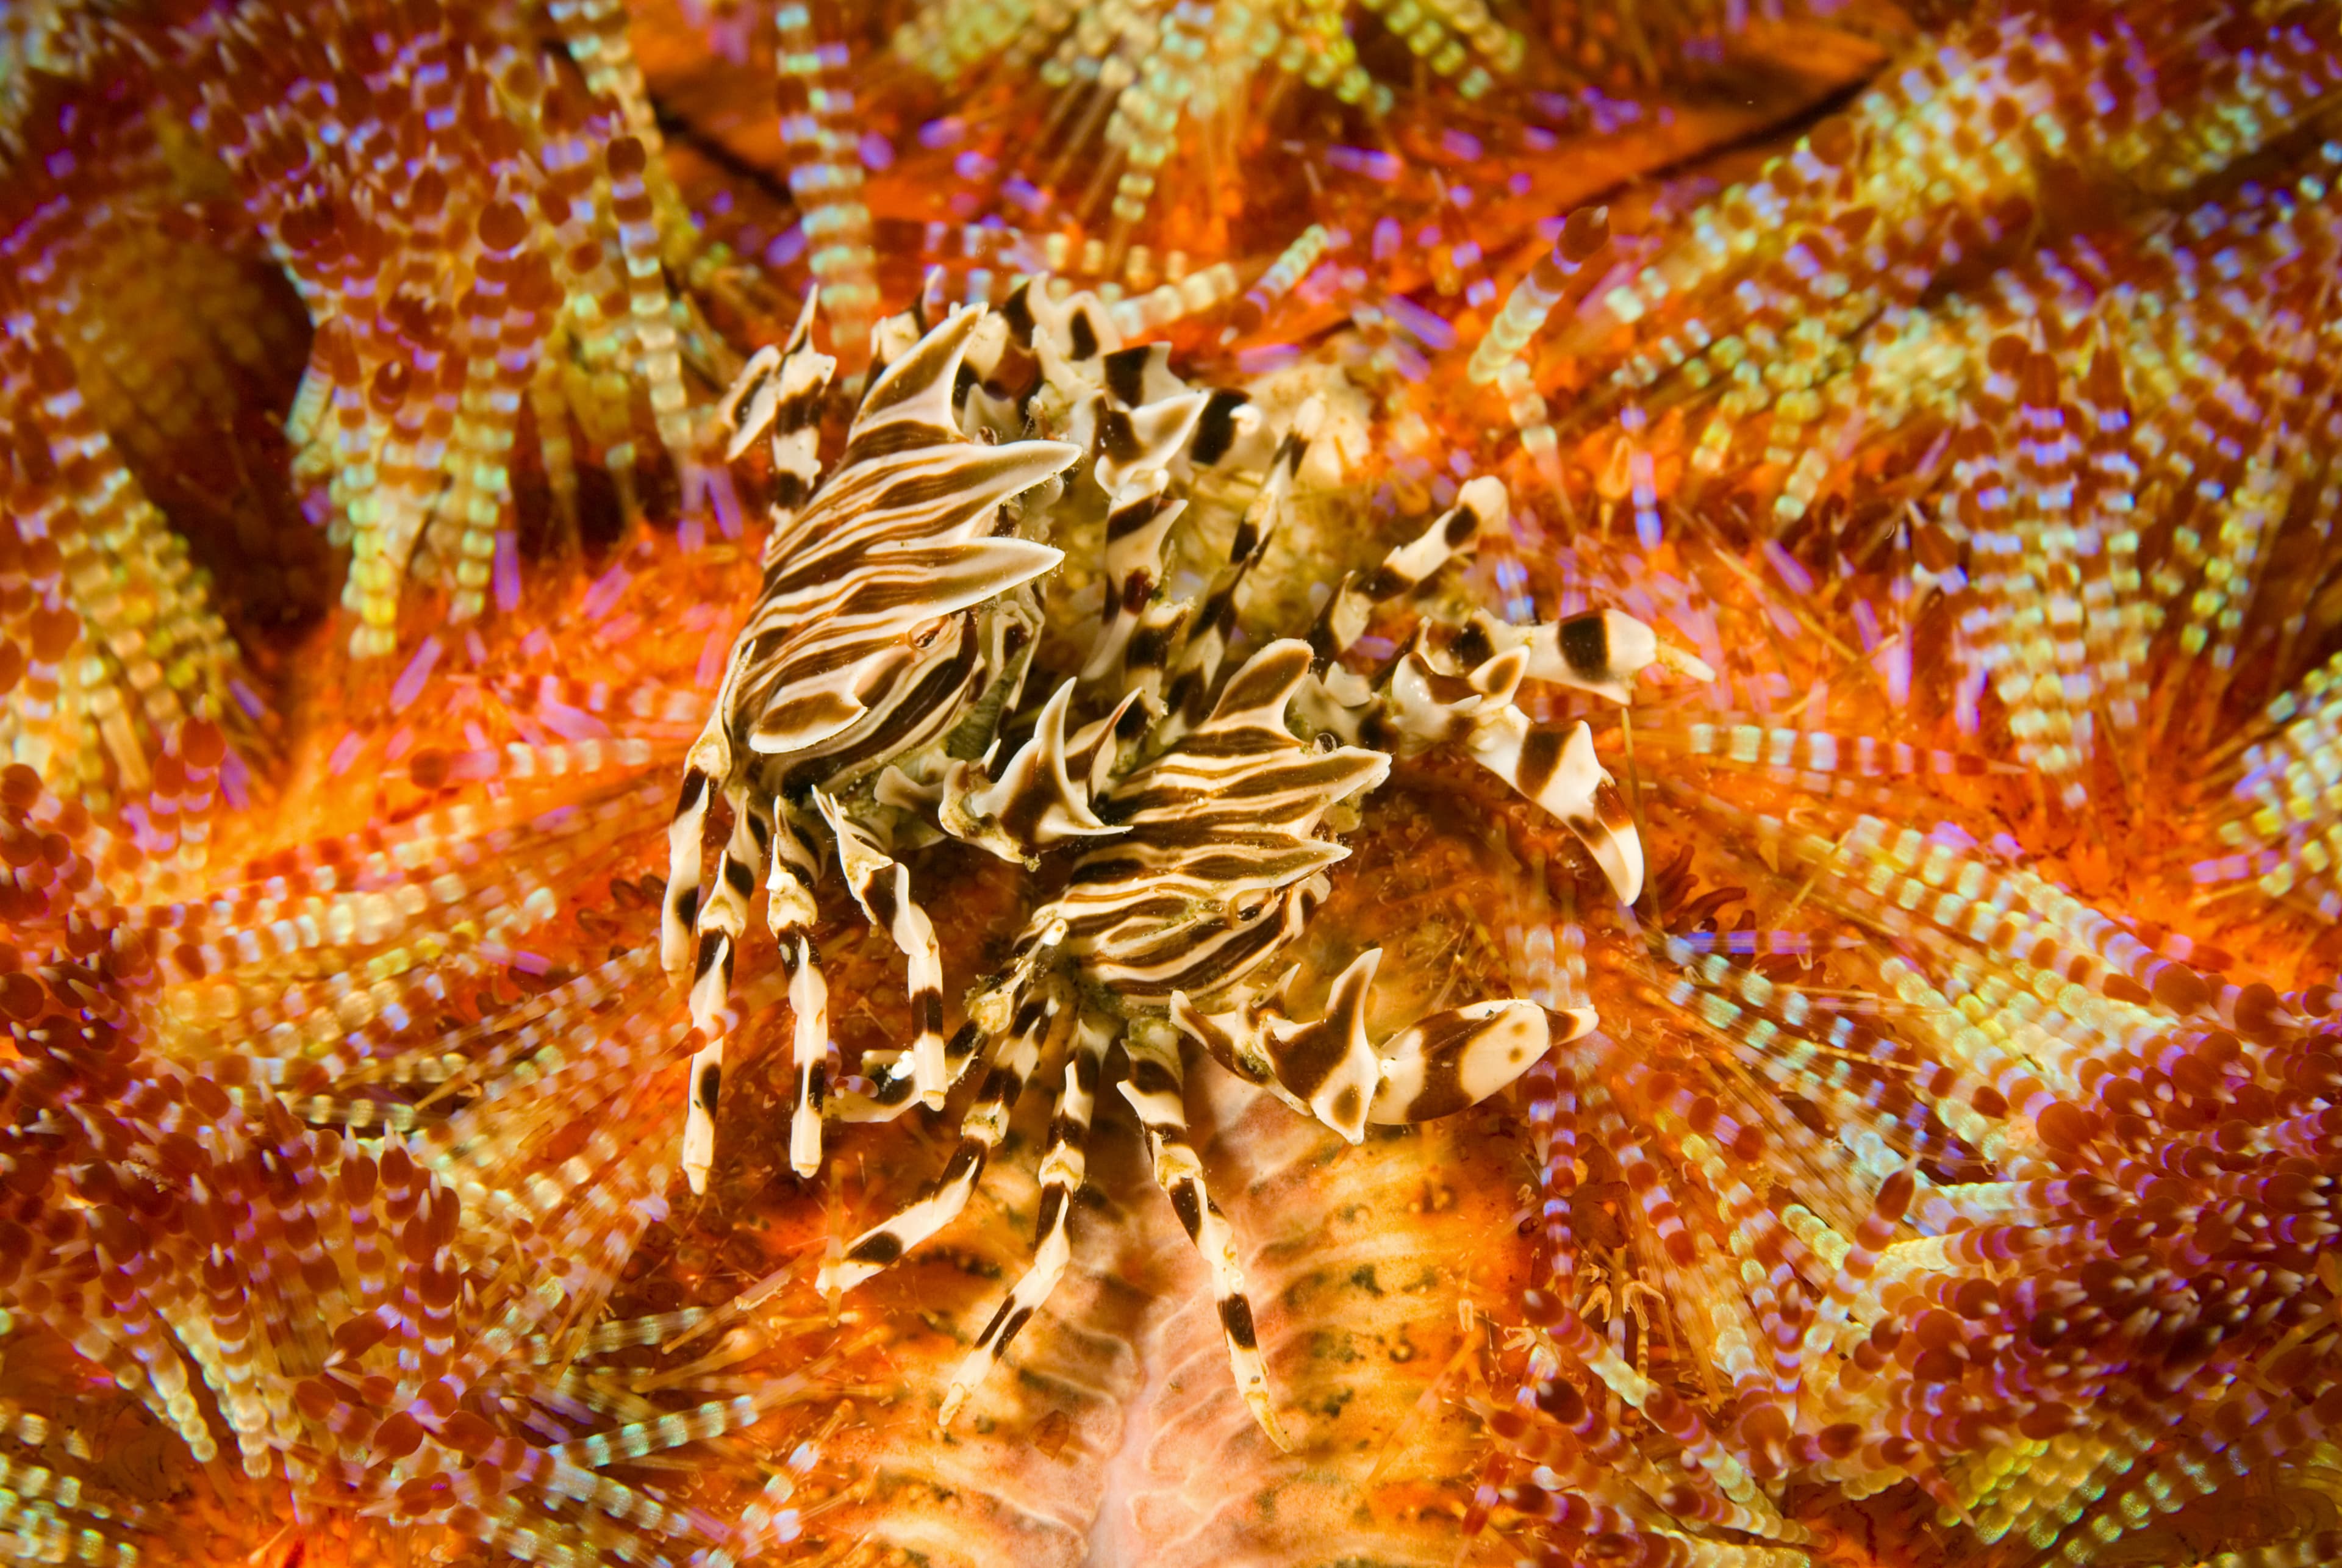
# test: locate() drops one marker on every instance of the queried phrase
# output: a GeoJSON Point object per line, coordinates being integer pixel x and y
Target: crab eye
{"type": "Point", "coordinates": [1251, 912]}
{"type": "Point", "coordinates": [926, 636]}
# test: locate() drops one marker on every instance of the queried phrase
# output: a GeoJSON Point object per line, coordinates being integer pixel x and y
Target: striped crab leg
{"type": "Point", "coordinates": [1599, 652]}
{"type": "Point", "coordinates": [723, 912]}
{"type": "Point", "coordinates": [1189, 696]}
{"type": "Point", "coordinates": [981, 1131]}
{"type": "Point", "coordinates": [1137, 522]}
{"type": "Point", "coordinates": [779, 394]}
{"type": "Point", "coordinates": [790, 911]}
{"type": "Point", "coordinates": [1480, 506]}
{"type": "Point", "coordinates": [882, 887]}
{"type": "Point", "coordinates": [1154, 1091]}
{"type": "Point", "coordinates": [718, 923]}
{"type": "Point", "coordinates": [1561, 773]}
{"type": "Point", "coordinates": [1455, 1059]}
{"type": "Point", "coordinates": [708, 761]}
{"type": "Point", "coordinates": [760, 840]}
{"type": "Point", "coordinates": [882, 1089]}
{"type": "Point", "coordinates": [781, 391]}
{"type": "Point", "coordinates": [703, 933]}
{"type": "Point", "coordinates": [1456, 683]}
{"type": "Point", "coordinates": [1064, 1167]}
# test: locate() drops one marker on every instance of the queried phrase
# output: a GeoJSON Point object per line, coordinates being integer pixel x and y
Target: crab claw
{"type": "Point", "coordinates": [1563, 775]}
{"type": "Point", "coordinates": [1608, 831]}
{"type": "Point", "coordinates": [1458, 1058]}
{"type": "Point", "coordinates": [1602, 651]}
{"type": "Point", "coordinates": [1321, 1065]}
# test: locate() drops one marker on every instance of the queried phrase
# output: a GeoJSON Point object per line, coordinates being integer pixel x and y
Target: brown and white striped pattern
{"type": "Point", "coordinates": [883, 1090]}
{"type": "Point", "coordinates": [1136, 524]}
{"type": "Point", "coordinates": [856, 648]}
{"type": "Point", "coordinates": [892, 611]}
{"type": "Point", "coordinates": [1131, 442]}
{"type": "Point", "coordinates": [1326, 1066]}
{"type": "Point", "coordinates": [1453, 685]}
{"type": "Point", "coordinates": [1208, 879]}
{"type": "Point", "coordinates": [1154, 1090]}
{"type": "Point", "coordinates": [1323, 1067]}
{"type": "Point", "coordinates": [1206, 643]}
{"type": "Point", "coordinates": [1480, 506]}
{"type": "Point", "coordinates": [981, 1129]}
{"type": "Point", "coordinates": [762, 835]}
{"type": "Point", "coordinates": [881, 885]}
{"type": "Point", "coordinates": [1599, 652]}
{"type": "Point", "coordinates": [869, 640]}
{"type": "Point", "coordinates": [780, 390]}
{"type": "Point", "coordinates": [1215, 865]}
{"type": "Point", "coordinates": [1042, 797]}
{"type": "Point", "coordinates": [1064, 1166]}
{"type": "Point", "coordinates": [1560, 773]}
{"type": "Point", "coordinates": [1456, 1059]}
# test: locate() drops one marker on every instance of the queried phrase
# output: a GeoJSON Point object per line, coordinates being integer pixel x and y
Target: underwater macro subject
{"type": "Point", "coordinates": [1316, 784]}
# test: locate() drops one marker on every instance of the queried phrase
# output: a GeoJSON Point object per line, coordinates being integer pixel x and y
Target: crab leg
{"type": "Point", "coordinates": [980, 1132]}
{"type": "Point", "coordinates": [1189, 694]}
{"type": "Point", "coordinates": [1452, 1059]}
{"type": "Point", "coordinates": [882, 887]}
{"type": "Point", "coordinates": [710, 759]}
{"type": "Point", "coordinates": [882, 1091]}
{"type": "Point", "coordinates": [1599, 652]}
{"type": "Point", "coordinates": [1135, 439]}
{"type": "Point", "coordinates": [780, 390]}
{"type": "Point", "coordinates": [1326, 1067]}
{"type": "Point", "coordinates": [718, 920]}
{"type": "Point", "coordinates": [1137, 522]}
{"type": "Point", "coordinates": [1154, 1089]}
{"type": "Point", "coordinates": [1064, 1168]}
{"type": "Point", "coordinates": [1480, 506]}
{"type": "Point", "coordinates": [809, 1050]}
{"type": "Point", "coordinates": [789, 910]}
{"type": "Point", "coordinates": [723, 912]}
{"type": "Point", "coordinates": [1323, 1067]}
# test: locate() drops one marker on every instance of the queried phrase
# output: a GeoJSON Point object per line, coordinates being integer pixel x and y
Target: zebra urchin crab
{"type": "Point", "coordinates": [861, 715]}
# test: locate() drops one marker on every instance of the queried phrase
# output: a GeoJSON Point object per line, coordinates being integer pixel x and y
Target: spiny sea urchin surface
{"type": "Point", "coordinates": [1898, 440]}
